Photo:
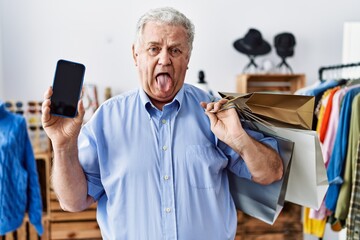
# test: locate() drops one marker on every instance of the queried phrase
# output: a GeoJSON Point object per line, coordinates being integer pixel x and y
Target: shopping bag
{"type": "Point", "coordinates": [308, 182]}
{"type": "Point", "coordinates": [282, 110]}
{"type": "Point", "coordinates": [263, 202]}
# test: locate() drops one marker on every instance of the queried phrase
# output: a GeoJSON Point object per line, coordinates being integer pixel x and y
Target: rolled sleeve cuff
{"type": "Point", "coordinates": [239, 167]}
{"type": "Point", "coordinates": [271, 142]}
{"type": "Point", "coordinates": [94, 190]}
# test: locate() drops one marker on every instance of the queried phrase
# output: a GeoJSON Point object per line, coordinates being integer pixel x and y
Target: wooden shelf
{"type": "Point", "coordinates": [287, 226]}
{"type": "Point", "coordinates": [81, 230]}
{"type": "Point", "coordinates": [283, 83]}
{"type": "Point", "coordinates": [43, 162]}
{"type": "Point", "coordinates": [69, 225]}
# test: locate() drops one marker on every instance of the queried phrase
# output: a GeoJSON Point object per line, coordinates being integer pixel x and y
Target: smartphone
{"type": "Point", "coordinates": [67, 85]}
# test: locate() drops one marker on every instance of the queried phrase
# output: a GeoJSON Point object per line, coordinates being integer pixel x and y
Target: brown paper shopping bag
{"type": "Point", "coordinates": [281, 110]}
{"type": "Point", "coordinates": [263, 202]}
{"type": "Point", "coordinates": [308, 182]}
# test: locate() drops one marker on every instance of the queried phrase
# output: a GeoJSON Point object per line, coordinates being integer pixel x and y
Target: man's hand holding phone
{"type": "Point", "coordinates": [62, 131]}
{"type": "Point", "coordinates": [63, 127]}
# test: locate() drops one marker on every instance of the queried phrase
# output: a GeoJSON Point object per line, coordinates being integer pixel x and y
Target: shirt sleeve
{"type": "Point", "coordinates": [236, 164]}
{"type": "Point", "coordinates": [89, 161]}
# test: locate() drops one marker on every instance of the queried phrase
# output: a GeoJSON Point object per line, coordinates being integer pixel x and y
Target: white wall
{"type": "Point", "coordinates": [1, 56]}
{"type": "Point", "coordinates": [35, 34]}
{"type": "Point", "coordinates": [351, 46]}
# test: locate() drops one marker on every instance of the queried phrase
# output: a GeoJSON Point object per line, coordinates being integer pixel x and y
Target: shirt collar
{"type": "Point", "coordinates": [148, 104]}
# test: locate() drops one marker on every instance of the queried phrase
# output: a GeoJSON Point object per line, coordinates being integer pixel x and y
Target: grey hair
{"type": "Point", "coordinates": [169, 16]}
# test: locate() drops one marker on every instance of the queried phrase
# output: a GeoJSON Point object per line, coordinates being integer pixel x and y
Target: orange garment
{"type": "Point", "coordinates": [326, 116]}
{"type": "Point", "coordinates": [321, 109]}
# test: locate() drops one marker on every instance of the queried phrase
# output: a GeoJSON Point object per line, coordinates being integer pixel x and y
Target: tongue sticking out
{"type": "Point", "coordinates": [164, 82]}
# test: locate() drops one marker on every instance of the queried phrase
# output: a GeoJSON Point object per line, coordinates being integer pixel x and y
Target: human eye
{"type": "Point", "coordinates": [175, 52]}
{"type": "Point", "coordinates": [153, 50]}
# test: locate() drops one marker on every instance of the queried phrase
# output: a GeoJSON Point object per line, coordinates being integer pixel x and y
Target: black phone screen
{"type": "Point", "coordinates": [67, 86]}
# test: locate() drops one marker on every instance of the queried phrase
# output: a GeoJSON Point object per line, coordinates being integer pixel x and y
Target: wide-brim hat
{"type": "Point", "coordinates": [252, 43]}
{"type": "Point", "coordinates": [284, 44]}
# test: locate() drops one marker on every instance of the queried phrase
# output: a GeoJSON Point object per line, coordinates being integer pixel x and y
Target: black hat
{"type": "Point", "coordinates": [284, 44]}
{"type": "Point", "coordinates": [252, 43]}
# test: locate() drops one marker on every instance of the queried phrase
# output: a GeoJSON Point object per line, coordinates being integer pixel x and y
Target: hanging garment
{"type": "Point", "coordinates": [343, 202]}
{"type": "Point", "coordinates": [305, 90]}
{"type": "Point", "coordinates": [318, 91]}
{"type": "Point", "coordinates": [19, 182]}
{"type": "Point", "coordinates": [322, 212]}
{"type": "Point", "coordinates": [337, 160]}
{"type": "Point", "coordinates": [321, 111]}
{"type": "Point", "coordinates": [328, 107]}
{"type": "Point", "coordinates": [353, 219]}
{"type": "Point", "coordinates": [317, 218]}
{"type": "Point", "coordinates": [329, 139]}
{"type": "Point", "coordinates": [313, 226]}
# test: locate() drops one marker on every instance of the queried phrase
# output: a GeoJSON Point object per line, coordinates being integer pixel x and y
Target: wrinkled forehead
{"type": "Point", "coordinates": [158, 32]}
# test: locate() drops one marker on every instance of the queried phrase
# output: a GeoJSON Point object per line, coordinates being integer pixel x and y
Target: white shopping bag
{"type": "Point", "coordinates": [308, 182]}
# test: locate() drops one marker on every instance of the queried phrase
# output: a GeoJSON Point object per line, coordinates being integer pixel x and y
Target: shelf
{"type": "Point", "coordinates": [43, 169]}
{"type": "Point", "coordinates": [287, 226]}
{"type": "Point", "coordinates": [276, 83]}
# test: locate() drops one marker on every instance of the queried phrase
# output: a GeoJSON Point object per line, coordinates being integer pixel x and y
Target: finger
{"type": "Point", "coordinates": [82, 92]}
{"type": "Point", "coordinates": [45, 109]}
{"type": "Point", "coordinates": [210, 106]}
{"type": "Point", "coordinates": [45, 104]}
{"type": "Point", "coordinates": [48, 93]}
{"type": "Point", "coordinates": [203, 104]}
{"type": "Point", "coordinates": [223, 100]}
{"type": "Point", "coordinates": [81, 109]}
{"type": "Point", "coordinates": [217, 106]}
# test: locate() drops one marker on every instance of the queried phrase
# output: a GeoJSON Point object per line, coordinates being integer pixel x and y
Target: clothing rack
{"type": "Point", "coordinates": [340, 71]}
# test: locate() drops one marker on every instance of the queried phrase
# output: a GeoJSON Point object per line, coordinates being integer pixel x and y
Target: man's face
{"type": "Point", "coordinates": [162, 56]}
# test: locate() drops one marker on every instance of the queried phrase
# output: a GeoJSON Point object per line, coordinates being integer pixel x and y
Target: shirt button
{"type": "Point", "coordinates": [163, 121]}
{"type": "Point", "coordinates": [164, 148]}
{"type": "Point", "coordinates": [168, 210]}
{"type": "Point", "coordinates": [166, 177]}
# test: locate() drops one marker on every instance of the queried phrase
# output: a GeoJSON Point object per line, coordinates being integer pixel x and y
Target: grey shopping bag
{"type": "Point", "coordinates": [263, 202]}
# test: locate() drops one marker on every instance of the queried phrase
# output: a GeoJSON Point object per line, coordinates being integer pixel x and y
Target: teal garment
{"type": "Point", "coordinates": [19, 182]}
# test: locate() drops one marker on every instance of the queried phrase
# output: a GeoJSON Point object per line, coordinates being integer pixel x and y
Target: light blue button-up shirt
{"type": "Point", "coordinates": [160, 175]}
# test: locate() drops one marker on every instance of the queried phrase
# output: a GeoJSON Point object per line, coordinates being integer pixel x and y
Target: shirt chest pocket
{"type": "Point", "coordinates": [205, 166]}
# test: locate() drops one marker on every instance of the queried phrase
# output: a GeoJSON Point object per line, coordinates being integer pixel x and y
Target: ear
{"type": "Point", "coordinates": [134, 54]}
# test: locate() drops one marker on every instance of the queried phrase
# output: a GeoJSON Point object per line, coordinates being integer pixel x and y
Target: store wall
{"type": "Point", "coordinates": [35, 34]}
{"type": "Point", "coordinates": [1, 56]}
{"type": "Point", "coordinates": [351, 46]}
{"type": "Point", "coordinates": [100, 33]}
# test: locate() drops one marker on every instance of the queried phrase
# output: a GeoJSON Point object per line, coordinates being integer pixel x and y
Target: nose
{"type": "Point", "coordinates": [164, 58]}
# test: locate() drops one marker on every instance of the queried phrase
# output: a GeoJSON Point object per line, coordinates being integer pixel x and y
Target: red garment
{"type": "Point", "coordinates": [326, 116]}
